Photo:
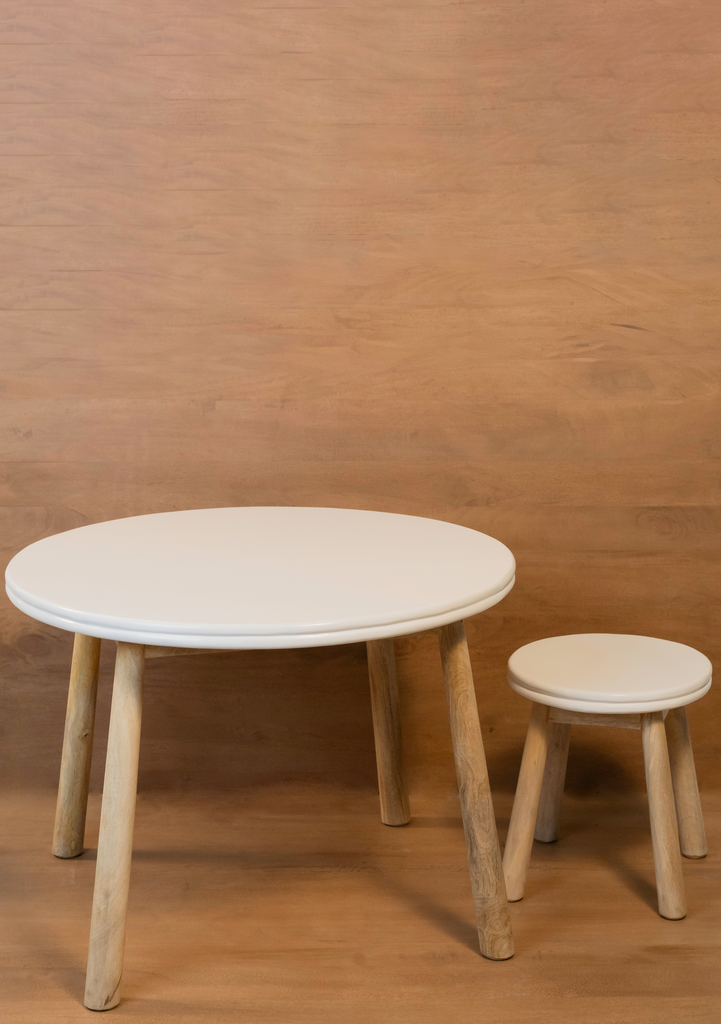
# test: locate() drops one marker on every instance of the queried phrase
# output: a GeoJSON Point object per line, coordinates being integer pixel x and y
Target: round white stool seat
{"type": "Point", "coordinates": [609, 673]}
{"type": "Point", "coordinates": [277, 577]}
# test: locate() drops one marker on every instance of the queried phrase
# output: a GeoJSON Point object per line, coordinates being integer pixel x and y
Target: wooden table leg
{"type": "Point", "coordinates": [554, 778]}
{"type": "Point", "coordinates": [484, 855]}
{"type": "Point", "coordinates": [72, 805]}
{"type": "Point", "coordinates": [664, 830]}
{"type": "Point", "coordinates": [112, 874]}
{"type": "Point", "coordinates": [525, 804]}
{"type": "Point", "coordinates": [692, 834]}
{"type": "Point", "coordinates": [387, 731]}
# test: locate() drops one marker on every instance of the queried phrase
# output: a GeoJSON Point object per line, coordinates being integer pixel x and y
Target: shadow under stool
{"type": "Point", "coordinates": [609, 679]}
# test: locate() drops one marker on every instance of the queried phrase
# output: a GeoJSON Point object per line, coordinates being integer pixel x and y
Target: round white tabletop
{"type": "Point", "coordinates": [276, 577]}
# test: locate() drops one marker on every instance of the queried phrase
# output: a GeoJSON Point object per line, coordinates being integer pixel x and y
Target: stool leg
{"type": "Point", "coordinates": [112, 874]}
{"type": "Point", "coordinates": [484, 855]}
{"type": "Point", "coordinates": [525, 804]}
{"type": "Point", "coordinates": [685, 787]}
{"type": "Point", "coordinates": [72, 805]}
{"type": "Point", "coordinates": [387, 731]}
{"type": "Point", "coordinates": [664, 830]}
{"type": "Point", "coordinates": [554, 778]}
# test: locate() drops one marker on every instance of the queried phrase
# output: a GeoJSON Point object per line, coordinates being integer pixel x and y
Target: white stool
{"type": "Point", "coordinates": [249, 578]}
{"type": "Point", "coordinates": [631, 682]}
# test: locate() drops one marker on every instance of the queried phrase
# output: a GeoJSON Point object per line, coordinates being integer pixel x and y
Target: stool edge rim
{"type": "Point", "coordinates": [596, 707]}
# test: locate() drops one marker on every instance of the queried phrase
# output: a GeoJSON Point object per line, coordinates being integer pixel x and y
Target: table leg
{"type": "Point", "coordinates": [484, 855]}
{"type": "Point", "coordinates": [112, 874]}
{"type": "Point", "coordinates": [72, 805]}
{"type": "Point", "coordinates": [387, 731]}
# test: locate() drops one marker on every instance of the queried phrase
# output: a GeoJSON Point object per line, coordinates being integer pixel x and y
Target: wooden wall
{"type": "Point", "coordinates": [454, 260]}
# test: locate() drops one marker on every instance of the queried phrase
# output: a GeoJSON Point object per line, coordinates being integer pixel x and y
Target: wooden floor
{"type": "Point", "coordinates": [295, 905]}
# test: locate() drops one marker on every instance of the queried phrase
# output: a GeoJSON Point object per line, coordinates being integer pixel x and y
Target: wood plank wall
{"type": "Point", "coordinates": [455, 260]}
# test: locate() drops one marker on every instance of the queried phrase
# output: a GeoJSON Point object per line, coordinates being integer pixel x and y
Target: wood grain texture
{"type": "Point", "coordinates": [554, 777]}
{"type": "Point", "coordinates": [691, 831]}
{"type": "Point", "coordinates": [455, 260]}
{"type": "Point", "coordinates": [293, 903]}
{"type": "Point", "coordinates": [173, 652]}
{"type": "Point", "coordinates": [115, 845]}
{"type": "Point", "coordinates": [479, 824]}
{"type": "Point", "coordinates": [69, 831]}
{"type": "Point", "coordinates": [560, 715]}
{"type": "Point", "coordinates": [387, 732]}
{"type": "Point", "coordinates": [664, 830]}
{"type": "Point", "coordinates": [519, 841]}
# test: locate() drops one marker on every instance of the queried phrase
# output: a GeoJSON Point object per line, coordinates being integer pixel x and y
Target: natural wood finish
{"type": "Point", "coordinates": [519, 842]}
{"type": "Point", "coordinates": [540, 786]}
{"type": "Point", "coordinates": [691, 831]}
{"type": "Point", "coordinates": [261, 905]}
{"type": "Point", "coordinates": [387, 732]}
{"type": "Point", "coordinates": [560, 715]}
{"type": "Point", "coordinates": [554, 777]}
{"type": "Point", "coordinates": [172, 652]}
{"type": "Point", "coordinates": [484, 856]}
{"type": "Point", "coordinates": [397, 257]}
{"type": "Point", "coordinates": [72, 801]}
{"type": "Point", "coordinates": [115, 845]}
{"type": "Point", "coordinates": [664, 830]}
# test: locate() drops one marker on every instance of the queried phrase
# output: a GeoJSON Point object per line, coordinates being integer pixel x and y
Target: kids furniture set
{"type": "Point", "coordinates": [181, 583]}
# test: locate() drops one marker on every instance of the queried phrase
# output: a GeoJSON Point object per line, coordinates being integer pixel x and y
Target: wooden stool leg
{"type": "Point", "coordinates": [685, 787]}
{"type": "Point", "coordinates": [112, 874]}
{"type": "Point", "coordinates": [554, 778]}
{"type": "Point", "coordinates": [484, 855]}
{"type": "Point", "coordinates": [72, 805]}
{"type": "Point", "coordinates": [387, 731]}
{"type": "Point", "coordinates": [525, 804]}
{"type": "Point", "coordinates": [664, 830]}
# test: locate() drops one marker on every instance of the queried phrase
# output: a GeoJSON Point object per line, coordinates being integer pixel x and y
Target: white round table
{"type": "Point", "coordinates": [241, 578]}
